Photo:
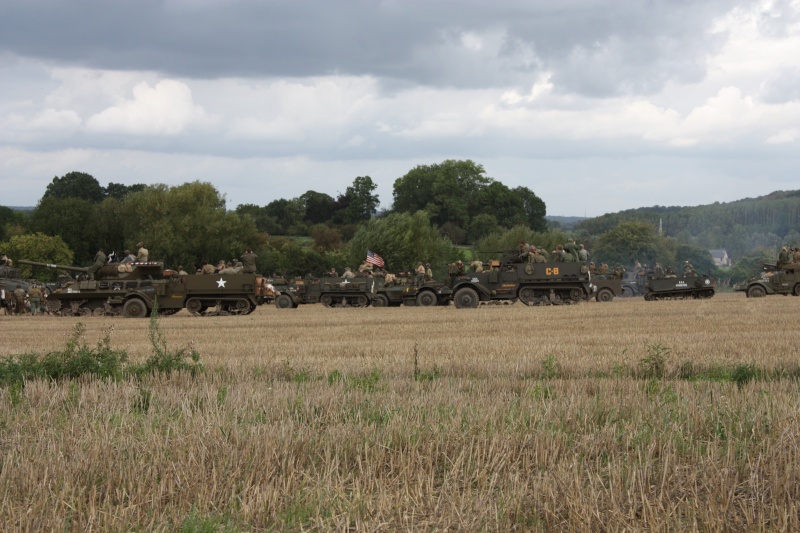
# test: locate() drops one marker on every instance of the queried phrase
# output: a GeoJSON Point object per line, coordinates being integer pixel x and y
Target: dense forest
{"type": "Point", "coordinates": [741, 227]}
{"type": "Point", "coordinates": [439, 213]}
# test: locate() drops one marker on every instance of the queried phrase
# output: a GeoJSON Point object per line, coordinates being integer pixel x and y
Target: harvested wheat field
{"type": "Point", "coordinates": [630, 415]}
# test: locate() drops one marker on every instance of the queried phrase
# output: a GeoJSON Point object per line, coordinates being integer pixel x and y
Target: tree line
{"type": "Point", "coordinates": [435, 208]}
{"type": "Point", "coordinates": [439, 213]}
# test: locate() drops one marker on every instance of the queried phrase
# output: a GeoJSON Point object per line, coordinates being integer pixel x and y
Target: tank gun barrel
{"type": "Point", "coordinates": [51, 265]}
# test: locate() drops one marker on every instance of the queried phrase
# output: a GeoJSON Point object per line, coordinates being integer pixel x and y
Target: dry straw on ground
{"type": "Point", "coordinates": [596, 417]}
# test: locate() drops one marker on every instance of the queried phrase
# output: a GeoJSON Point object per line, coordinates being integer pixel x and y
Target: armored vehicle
{"type": "Point", "coordinates": [679, 288]}
{"type": "Point", "coordinates": [132, 289]}
{"type": "Point", "coordinates": [330, 292]}
{"type": "Point", "coordinates": [508, 280]}
{"type": "Point", "coordinates": [606, 289]}
{"type": "Point", "coordinates": [635, 283]}
{"type": "Point", "coordinates": [429, 294]}
{"type": "Point", "coordinates": [773, 280]}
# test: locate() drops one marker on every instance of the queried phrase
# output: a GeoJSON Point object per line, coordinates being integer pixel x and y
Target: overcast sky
{"type": "Point", "coordinates": [595, 106]}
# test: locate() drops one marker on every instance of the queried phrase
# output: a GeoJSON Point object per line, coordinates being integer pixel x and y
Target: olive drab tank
{"type": "Point", "coordinates": [134, 289]}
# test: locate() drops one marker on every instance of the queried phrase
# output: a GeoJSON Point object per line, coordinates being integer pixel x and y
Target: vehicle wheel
{"type": "Point", "coordinates": [380, 300]}
{"type": "Point", "coordinates": [426, 299]}
{"type": "Point", "coordinates": [243, 306]}
{"type": "Point", "coordinates": [194, 306]}
{"type": "Point", "coordinates": [98, 311]}
{"type": "Point", "coordinates": [134, 308]}
{"type": "Point", "coordinates": [53, 306]}
{"type": "Point", "coordinates": [527, 295]}
{"type": "Point", "coordinates": [648, 296]}
{"type": "Point", "coordinates": [284, 301]}
{"type": "Point", "coordinates": [325, 300]}
{"type": "Point", "coordinates": [796, 290]}
{"type": "Point", "coordinates": [604, 295]}
{"type": "Point", "coordinates": [362, 300]}
{"type": "Point", "coordinates": [627, 292]}
{"type": "Point", "coordinates": [576, 295]}
{"type": "Point", "coordinates": [756, 291]}
{"type": "Point", "coordinates": [466, 298]}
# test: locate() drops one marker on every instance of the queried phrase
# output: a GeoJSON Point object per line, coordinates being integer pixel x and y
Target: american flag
{"type": "Point", "coordinates": [374, 259]}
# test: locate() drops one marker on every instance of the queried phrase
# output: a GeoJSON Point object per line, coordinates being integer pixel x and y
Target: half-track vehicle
{"type": "Point", "coordinates": [680, 288]}
{"type": "Point", "coordinates": [772, 280]}
{"type": "Point", "coordinates": [330, 292]}
{"type": "Point", "coordinates": [429, 294]}
{"type": "Point", "coordinates": [509, 280]}
{"type": "Point", "coordinates": [132, 290]}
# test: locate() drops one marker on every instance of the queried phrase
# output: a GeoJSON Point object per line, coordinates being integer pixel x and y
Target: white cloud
{"type": "Point", "coordinates": [783, 137]}
{"type": "Point", "coordinates": [165, 109]}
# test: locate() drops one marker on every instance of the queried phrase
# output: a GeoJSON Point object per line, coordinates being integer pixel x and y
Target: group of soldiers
{"type": "Point", "coordinates": [564, 253]}
{"type": "Point", "coordinates": [420, 274]}
{"type": "Point", "coordinates": [246, 264]}
{"type": "Point", "coordinates": [22, 302]}
{"type": "Point", "coordinates": [788, 256]}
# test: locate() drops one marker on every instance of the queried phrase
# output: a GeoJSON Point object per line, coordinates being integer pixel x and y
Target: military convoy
{"type": "Point", "coordinates": [504, 282]}
{"type": "Point", "coordinates": [772, 280]}
{"type": "Point", "coordinates": [134, 289]}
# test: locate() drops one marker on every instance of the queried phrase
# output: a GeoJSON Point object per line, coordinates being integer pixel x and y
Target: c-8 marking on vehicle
{"type": "Point", "coordinates": [551, 271]}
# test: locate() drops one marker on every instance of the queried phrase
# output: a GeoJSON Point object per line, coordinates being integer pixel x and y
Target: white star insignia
{"type": "Point", "coordinates": [220, 283]}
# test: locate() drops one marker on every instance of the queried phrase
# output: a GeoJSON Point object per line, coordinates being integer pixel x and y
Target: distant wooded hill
{"type": "Point", "coordinates": [741, 227]}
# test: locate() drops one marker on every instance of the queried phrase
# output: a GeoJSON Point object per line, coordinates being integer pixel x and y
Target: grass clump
{"type": "Point", "coordinates": [75, 360]}
{"type": "Point", "coordinates": [165, 360]}
{"type": "Point", "coordinates": [78, 359]}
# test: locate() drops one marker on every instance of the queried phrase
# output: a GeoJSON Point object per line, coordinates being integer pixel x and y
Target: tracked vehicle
{"type": "Point", "coordinates": [330, 292]}
{"type": "Point", "coordinates": [531, 283]}
{"type": "Point", "coordinates": [132, 290]}
{"type": "Point", "coordinates": [680, 288]}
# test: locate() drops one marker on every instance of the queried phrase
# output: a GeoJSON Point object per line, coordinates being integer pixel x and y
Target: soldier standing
{"type": "Point", "coordinates": [583, 254]}
{"type": "Point", "coordinates": [35, 298]}
{"type": "Point", "coordinates": [419, 279]}
{"type": "Point", "coordinates": [784, 257]}
{"type": "Point", "coordinates": [19, 299]}
{"type": "Point", "coordinates": [249, 261]}
{"type": "Point", "coordinates": [658, 271]}
{"type": "Point", "coordinates": [688, 270]}
{"type": "Point", "coordinates": [348, 273]}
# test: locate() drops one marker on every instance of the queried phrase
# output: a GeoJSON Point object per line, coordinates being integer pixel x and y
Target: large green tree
{"type": "Point", "coordinates": [10, 219]}
{"type": "Point", "coordinates": [628, 242]}
{"type": "Point", "coordinates": [402, 239]}
{"type": "Point", "coordinates": [359, 202]}
{"type": "Point", "coordinates": [37, 247]}
{"type": "Point", "coordinates": [185, 224]}
{"type": "Point", "coordinates": [75, 185]}
{"type": "Point", "coordinates": [72, 219]}
{"type": "Point", "coordinates": [456, 193]}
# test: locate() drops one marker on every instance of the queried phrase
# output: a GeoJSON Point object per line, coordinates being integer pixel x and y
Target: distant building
{"type": "Point", "coordinates": [721, 257]}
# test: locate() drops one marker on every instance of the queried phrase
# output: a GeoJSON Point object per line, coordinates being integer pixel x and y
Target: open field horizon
{"type": "Point", "coordinates": [588, 417]}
